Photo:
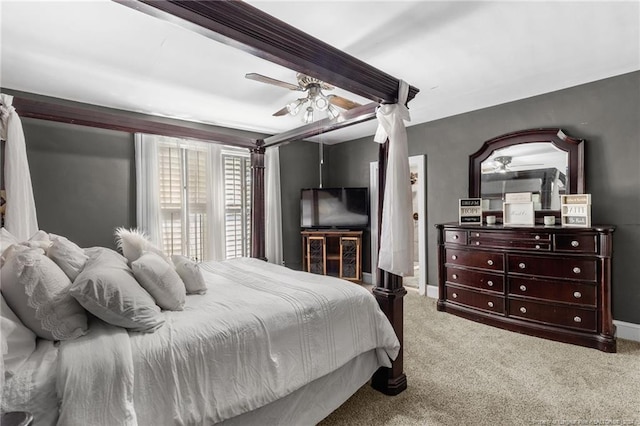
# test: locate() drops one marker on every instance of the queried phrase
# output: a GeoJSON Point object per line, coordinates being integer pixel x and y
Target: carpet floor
{"type": "Point", "coordinates": [464, 373]}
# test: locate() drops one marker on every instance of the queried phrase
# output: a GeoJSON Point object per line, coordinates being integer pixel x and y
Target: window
{"type": "Point", "coordinates": [183, 171]}
{"type": "Point", "coordinates": [237, 204]}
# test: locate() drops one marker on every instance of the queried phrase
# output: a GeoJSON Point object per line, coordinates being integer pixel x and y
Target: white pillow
{"type": "Point", "coordinates": [134, 243]}
{"type": "Point", "coordinates": [37, 291]}
{"type": "Point", "coordinates": [190, 273]}
{"type": "Point", "coordinates": [6, 240]}
{"type": "Point", "coordinates": [39, 240]}
{"type": "Point", "coordinates": [161, 281]}
{"type": "Point", "coordinates": [67, 255]}
{"type": "Point", "coordinates": [18, 342]}
{"type": "Point", "coordinates": [107, 288]}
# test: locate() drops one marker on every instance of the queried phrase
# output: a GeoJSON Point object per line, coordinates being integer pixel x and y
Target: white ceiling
{"type": "Point", "coordinates": [462, 56]}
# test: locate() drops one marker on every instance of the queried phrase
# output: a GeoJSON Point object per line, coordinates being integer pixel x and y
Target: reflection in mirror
{"type": "Point", "coordinates": [538, 167]}
{"type": "Point", "coordinates": [545, 162]}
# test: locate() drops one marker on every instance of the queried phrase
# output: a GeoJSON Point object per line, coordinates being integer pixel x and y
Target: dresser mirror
{"type": "Point", "coordinates": [545, 162]}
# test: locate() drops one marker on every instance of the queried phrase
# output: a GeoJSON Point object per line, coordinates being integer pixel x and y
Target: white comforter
{"type": "Point", "coordinates": [261, 332]}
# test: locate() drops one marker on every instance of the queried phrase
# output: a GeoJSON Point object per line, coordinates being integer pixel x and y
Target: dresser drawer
{"type": "Point", "coordinates": [556, 267]}
{"type": "Point", "coordinates": [474, 299]}
{"type": "Point", "coordinates": [480, 280]}
{"type": "Point", "coordinates": [455, 237]}
{"type": "Point", "coordinates": [564, 316]}
{"type": "Point", "coordinates": [576, 243]}
{"type": "Point", "coordinates": [561, 291]}
{"type": "Point", "coordinates": [475, 259]}
{"type": "Point", "coordinates": [517, 244]}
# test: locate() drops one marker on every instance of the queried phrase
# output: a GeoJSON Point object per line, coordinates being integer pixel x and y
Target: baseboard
{"type": "Point", "coordinates": [432, 291]}
{"type": "Point", "coordinates": [627, 330]}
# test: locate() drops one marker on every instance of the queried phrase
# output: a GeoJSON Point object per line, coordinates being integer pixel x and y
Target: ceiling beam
{"type": "Point", "coordinates": [89, 115]}
{"type": "Point", "coordinates": [345, 119]}
{"type": "Point", "coordinates": [245, 27]}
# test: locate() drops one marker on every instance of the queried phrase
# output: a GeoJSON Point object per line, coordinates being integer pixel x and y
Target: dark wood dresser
{"type": "Point", "coordinates": [547, 281]}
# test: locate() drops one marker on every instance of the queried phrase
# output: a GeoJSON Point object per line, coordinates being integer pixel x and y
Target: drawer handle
{"type": "Point", "coordinates": [477, 235]}
{"type": "Point", "coordinates": [577, 319]}
{"type": "Point", "coordinates": [523, 287]}
{"type": "Point", "coordinates": [576, 270]}
{"type": "Point", "coordinates": [577, 294]}
{"type": "Point", "coordinates": [575, 243]}
{"type": "Point", "coordinates": [490, 283]}
{"type": "Point", "coordinates": [454, 295]}
{"type": "Point", "coordinates": [537, 237]}
{"type": "Point", "coordinates": [490, 262]}
{"type": "Point", "coordinates": [523, 309]}
{"type": "Point", "coordinates": [477, 243]}
{"type": "Point", "coordinates": [538, 246]}
{"type": "Point", "coordinates": [522, 265]}
{"type": "Point", "coordinates": [454, 276]}
{"type": "Point", "coordinates": [454, 257]}
{"type": "Point", "coordinates": [490, 304]}
{"type": "Point", "coordinates": [455, 237]}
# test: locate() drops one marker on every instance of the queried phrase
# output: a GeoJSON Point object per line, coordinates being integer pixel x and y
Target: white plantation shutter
{"type": "Point", "coordinates": [183, 197]}
{"type": "Point", "coordinates": [237, 190]}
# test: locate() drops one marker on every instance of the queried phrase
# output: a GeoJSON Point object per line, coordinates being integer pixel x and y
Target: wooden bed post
{"type": "Point", "coordinates": [257, 202]}
{"type": "Point", "coordinates": [389, 292]}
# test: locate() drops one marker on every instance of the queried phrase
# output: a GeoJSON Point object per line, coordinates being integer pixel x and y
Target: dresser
{"type": "Point", "coordinates": [547, 281]}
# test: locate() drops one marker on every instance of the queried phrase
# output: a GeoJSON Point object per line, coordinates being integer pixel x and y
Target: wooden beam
{"type": "Point", "coordinates": [89, 115]}
{"type": "Point", "coordinates": [347, 118]}
{"type": "Point", "coordinates": [245, 27]}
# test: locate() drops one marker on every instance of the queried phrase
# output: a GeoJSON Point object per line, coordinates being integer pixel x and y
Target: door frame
{"type": "Point", "coordinates": [418, 163]}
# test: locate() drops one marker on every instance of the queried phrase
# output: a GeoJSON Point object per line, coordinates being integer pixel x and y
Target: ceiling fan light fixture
{"type": "Point", "coordinates": [333, 112]}
{"type": "Point", "coordinates": [308, 115]}
{"type": "Point", "coordinates": [294, 107]}
{"type": "Point", "coordinates": [321, 102]}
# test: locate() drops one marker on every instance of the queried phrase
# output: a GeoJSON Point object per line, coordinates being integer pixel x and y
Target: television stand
{"type": "Point", "coordinates": [333, 252]}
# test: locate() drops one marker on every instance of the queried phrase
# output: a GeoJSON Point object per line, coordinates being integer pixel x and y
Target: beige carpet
{"type": "Point", "coordinates": [463, 373]}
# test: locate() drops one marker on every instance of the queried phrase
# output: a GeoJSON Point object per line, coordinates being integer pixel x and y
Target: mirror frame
{"type": "Point", "coordinates": [572, 146]}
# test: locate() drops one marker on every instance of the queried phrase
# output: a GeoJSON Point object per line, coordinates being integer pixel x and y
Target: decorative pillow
{"type": "Point", "coordinates": [18, 342]}
{"type": "Point", "coordinates": [6, 240]}
{"type": "Point", "coordinates": [39, 240]}
{"type": "Point", "coordinates": [161, 281]}
{"type": "Point", "coordinates": [37, 291]}
{"type": "Point", "coordinates": [107, 288]}
{"type": "Point", "coordinates": [190, 273]}
{"type": "Point", "coordinates": [134, 243]}
{"type": "Point", "coordinates": [67, 255]}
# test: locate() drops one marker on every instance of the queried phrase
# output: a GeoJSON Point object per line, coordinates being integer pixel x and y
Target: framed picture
{"type": "Point", "coordinates": [518, 214]}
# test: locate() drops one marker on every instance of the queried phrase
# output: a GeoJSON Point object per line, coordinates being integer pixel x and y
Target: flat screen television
{"type": "Point", "coordinates": [346, 208]}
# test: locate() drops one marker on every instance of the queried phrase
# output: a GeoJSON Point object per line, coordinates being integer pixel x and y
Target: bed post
{"type": "Point", "coordinates": [257, 202]}
{"type": "Point", "coordinates": [389, 292]}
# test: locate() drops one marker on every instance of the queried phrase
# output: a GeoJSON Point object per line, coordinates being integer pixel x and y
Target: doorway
{"type": "Point", "coordinates": [417, 167]}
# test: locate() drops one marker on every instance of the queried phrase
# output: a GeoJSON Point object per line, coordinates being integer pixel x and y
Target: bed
{"type": "Point", "coordinates": [324, 385]}
{"type": "Point", "coordinates": [263, 345]}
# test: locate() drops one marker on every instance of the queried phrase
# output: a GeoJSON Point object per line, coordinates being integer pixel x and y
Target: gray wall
{"type": "Point", "coordinates": [298, 169]}
{"type": "Point", "coordinates": [83, 180]}
{"type": "Point", "coordinates": [606, 113]}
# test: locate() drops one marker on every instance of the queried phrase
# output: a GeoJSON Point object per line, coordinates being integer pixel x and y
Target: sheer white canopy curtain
{"type": "Point", "coordinates": [20, 214]}
{"type": "Point", "coordinates": [273, 207]}
{"type": "Point", "coordinates": [193, 198]}
{"type": "Point", "coordinates": [396, 239]}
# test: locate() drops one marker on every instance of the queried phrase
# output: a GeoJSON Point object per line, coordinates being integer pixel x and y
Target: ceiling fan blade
{"type": "Point", "coordinates": [283, 111]}
{"type": "Point", "coordinates": [341, 102]}
{"type": "Point", "coordinates": [264, 79]}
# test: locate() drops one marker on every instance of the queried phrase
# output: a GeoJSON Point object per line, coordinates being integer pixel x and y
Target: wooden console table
{"type": "Point", "coordinates": [333, 252]}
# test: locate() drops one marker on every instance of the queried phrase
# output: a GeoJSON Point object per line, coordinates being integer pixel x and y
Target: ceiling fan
{"type": "Point", "coordinates": [314, 100]}
{"type": "Point", "coordinates": [503, 164]}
